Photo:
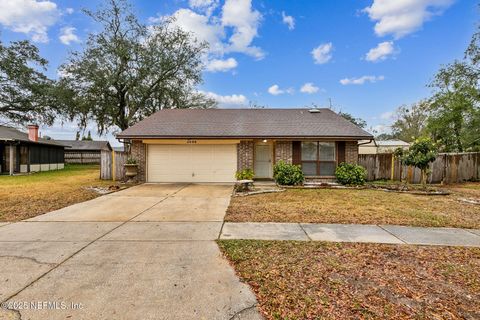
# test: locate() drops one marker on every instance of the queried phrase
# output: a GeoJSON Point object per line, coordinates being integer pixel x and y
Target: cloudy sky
{"type": "Point", "coordinates": [367, 57]}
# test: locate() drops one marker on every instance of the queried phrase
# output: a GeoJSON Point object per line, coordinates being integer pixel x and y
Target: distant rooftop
{"type": "Point", "coordinates": [387, 143]}
{"type": "Point", "coordinates": [85, 145]}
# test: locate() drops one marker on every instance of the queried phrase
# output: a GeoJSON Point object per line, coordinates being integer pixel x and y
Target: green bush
{"type": "Point", "coordinates": [288, 174]}
{"type": "Point", "coordinates": [131, 161]}
{"type": "Point", "coordinates": [245, 174]}
{"type": "Point", "coordinates": [351, 174]}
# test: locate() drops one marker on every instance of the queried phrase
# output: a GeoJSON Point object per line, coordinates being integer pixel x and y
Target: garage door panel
{"type": "Point", "coordinates": [191, 163]}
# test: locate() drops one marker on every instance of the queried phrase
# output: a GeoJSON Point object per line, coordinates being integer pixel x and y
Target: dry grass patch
{"type": "Point", "coordinates": [312, 280]}
{"type": "Point", "coordinates": [26, 196]}
{"type": "Point", "coordinates": [354, 206]}
{"type": "Point", "coordinates": [469, 189]}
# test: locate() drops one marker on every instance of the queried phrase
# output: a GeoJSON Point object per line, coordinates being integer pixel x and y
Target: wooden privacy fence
{"type": "Point", "coordinates": [111, 165]}
{"type": "Point", "coordinates": [86, 157]}
{"type": "Point", "coordinates": [448, 168]}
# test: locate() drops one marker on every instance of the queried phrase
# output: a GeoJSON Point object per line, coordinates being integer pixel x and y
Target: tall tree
{"type": "Point", "coordinates": [356, 121]}
{"type": "Point", "coordinates": [384, 136]}
{"type": "Point", "coordinates": [455, 112]}
{"type": "Point", "coordinates": [130, 70]}
{"type": "Point", "coordinates": [25, 92]}
{"type": "Point", "coordinates": [472, 54]}
{"type": "Point", "coordinates": [410, 121]}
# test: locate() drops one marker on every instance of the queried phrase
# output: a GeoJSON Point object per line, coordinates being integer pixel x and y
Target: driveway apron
{"type": "Point", "coordinates": [147, 252]}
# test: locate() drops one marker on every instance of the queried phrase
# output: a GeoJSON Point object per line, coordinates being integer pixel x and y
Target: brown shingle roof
{"type": "Point", "coordinates": [86, 145]}
{"type": "Point", "coordinates": [12, 134]}
{"type": "Point", "coordinates": [244, 123]}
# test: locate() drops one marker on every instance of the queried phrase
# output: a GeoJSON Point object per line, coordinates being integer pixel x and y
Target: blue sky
{"type": "Point", "coordinates": [368, 57]}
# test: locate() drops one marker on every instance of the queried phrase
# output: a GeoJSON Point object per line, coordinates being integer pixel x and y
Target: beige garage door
{"type": "Point", "coordinates": [191, 163]}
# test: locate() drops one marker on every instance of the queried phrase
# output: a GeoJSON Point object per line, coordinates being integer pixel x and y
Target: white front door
{"type": "Point", "coordinates": [263, 161]}
{"type": "Point", "coordinates": [191, 163]}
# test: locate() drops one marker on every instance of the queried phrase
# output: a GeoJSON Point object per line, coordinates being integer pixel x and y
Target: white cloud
{"type": "Point", "coordinates": [380, 128]}
{"type": "Point", "coordinates": [309, 88]}
{"type": "Point", "coordinates": [68, 36]}
{"type": "Point", "coordinates": [234, 100]}
{"type": "Point", "coordinates": [388, 115]}
{"type": "Point", "coordinates": [288, 20]}
{"type": "Point", "coordinates": [275, 90]}
{"type": "Point", "coordinates": [201, 28]}
{"type": "Point", "coordinates": [217, 65]}
{"type": "Point", "coordinates": [402, 17]}
{"type": "Point", "coordinates": [69, 10]}
{"type": "Point", "coordinates": [380, 52]}
{"type": "Point", "coordinates": [31, 17]}
{"type": "Point", "coordinates": [322, 53]}
{"type": "Point", "coordinates": [202, 4]}
{"type": "Point", "coordinates": [361, 80]}
{"type": "Point", "coordinates": [239, 15]}
{"type": "Point", "coordinates": [231, 31]}
{"type": "Point", "coordinates": [207, 6]}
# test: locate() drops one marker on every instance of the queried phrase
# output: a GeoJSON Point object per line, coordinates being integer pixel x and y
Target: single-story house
{"type": "Point", "coordinates": [84, 151]}
{"type": "Point", "coordinates": [22, 152]}
{"type": "Point", "coordinates": [381, 146]}
{"type": "Point", "coordinates": [210, 145]}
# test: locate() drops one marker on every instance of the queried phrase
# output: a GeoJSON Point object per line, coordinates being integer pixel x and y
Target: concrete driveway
{"type": "Point", "coordinates": [143, 253]}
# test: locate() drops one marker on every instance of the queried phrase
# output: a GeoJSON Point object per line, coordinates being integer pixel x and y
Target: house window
{"type": "Point", "coordinates": [318, 158]}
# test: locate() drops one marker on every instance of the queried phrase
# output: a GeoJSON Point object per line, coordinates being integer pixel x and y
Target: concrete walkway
{"type": "Point", "coordinates": [144, 253]}
{"type": "Point", "coordinates": [352, 233]}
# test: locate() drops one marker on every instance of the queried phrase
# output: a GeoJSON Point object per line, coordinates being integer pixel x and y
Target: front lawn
{"type": "Point", "coordinates": [365, 206]}
{"type": "Point", "coordinates": [469, 189]}
{"type": "Point", "coordinates": [315, 280]}
{"type": "Point", "coordinates": [26, 196]}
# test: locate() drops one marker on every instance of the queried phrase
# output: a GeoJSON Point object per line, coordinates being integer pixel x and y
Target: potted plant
{"type": "Point", "coordinates": [131, 168]}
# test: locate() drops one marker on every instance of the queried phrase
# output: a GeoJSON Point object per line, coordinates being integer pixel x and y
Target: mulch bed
{"type": "Point", "coordinates": [401, 188]}
{"type": "Point", "coordinates": [314, 280]}
{"type": "Point", "coordinates": [405, 188]}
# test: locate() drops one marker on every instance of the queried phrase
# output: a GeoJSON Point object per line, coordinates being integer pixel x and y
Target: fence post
{"type": "Point", "coordinates": [392, 176]}
{"type": "Point", "coordinates": [113, 165]}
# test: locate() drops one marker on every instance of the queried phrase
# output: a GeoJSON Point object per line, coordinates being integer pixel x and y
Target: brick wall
{"type": "Point", "coordinates": [283, 151]}
{"type": "Point", "coordinates": [245, 155]}
{"type": "Point", "coordinates": [138, 152]}
{"type": "Point", "coordinates": [351, 151]}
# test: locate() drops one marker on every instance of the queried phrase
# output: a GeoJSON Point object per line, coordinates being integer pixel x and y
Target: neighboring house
{"type": "Point", "coordinates": [210, 145]}
{"type": "Point", "coordinates": [22, 152]}
{"type": "Point", "coordinates": [84, 151]}
{"type": "Point", "coordinates": [381, 146]}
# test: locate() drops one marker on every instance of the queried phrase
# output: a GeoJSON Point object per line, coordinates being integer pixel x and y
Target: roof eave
{"type": "Point", "coordinates": [245, 137]}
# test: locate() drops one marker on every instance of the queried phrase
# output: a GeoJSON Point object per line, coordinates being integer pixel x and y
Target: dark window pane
{"type": "Point", "coordinates": [327, 151]}
{"type": "Point", "coordinates": [309, 168]}
{"type": "Point", "coordinates": [327, 168]}
{"type": "Point", "coordinates": [309, 151]}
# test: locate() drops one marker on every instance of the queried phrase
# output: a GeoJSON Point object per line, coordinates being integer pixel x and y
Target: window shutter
{"type": "Point", "coordinates": [296, 152]}
{"type": "Point", "coordinates": [341, 151]}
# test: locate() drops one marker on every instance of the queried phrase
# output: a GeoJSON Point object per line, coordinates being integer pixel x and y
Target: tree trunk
{"type": "Point", "coordinates": [424, 178]}
{"type": "Point", "coordinates": [457, 138]}
{"type": "Point", "coordinates": [122, 120]}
